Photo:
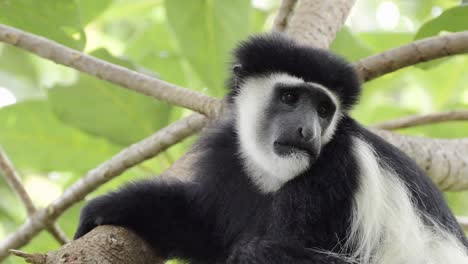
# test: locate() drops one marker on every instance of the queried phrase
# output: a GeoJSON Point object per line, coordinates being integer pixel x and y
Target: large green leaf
{"type": "Point", "coordinates": [155, 49]}
{"type": "Point", "coordinates": [381, 41]}
{"type": "Point", "coordinates": [15, 61]}
{"type": "Point", "coordinates": [453, 20]}
{"type": "Point", "coordinates": [206, 31]}
{"type": "Point", "coordinates": [18, 73]}
{"type": "Point", "coordinates": [36, 140]}
{"type": "Point", "coordinates": [90, 9]}
{"type": "Point", "coordinates": [106, 110]}
{"type": "Point", "coordinates": [55, 19]}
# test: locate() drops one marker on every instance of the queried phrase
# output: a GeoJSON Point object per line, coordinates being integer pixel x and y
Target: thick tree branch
{"type": "Point", "coordinates": [116, 74]}
{"type": "Point", "coordinates": [283, 15]}
{"type": "Point", "coordinates": [316, 22]}
{"type": "Point", "coordinates": [418, 120]}
{"type": "Point", "coordinates": [14, 180]}
{"type": "Point", "coordinates": [444, 160]}
{"type": "Point", "coordinates": [413, 53]}
{"type": "Point", "coordinates": [125, 159]}
{"type": "Point", "coordinates": [103, 245]}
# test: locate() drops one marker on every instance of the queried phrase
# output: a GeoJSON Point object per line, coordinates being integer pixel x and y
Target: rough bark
{"type": "Point", "coordinates": [316, 22]}
{"type": "Point", "coordinates": [283, 15]}
{"type": "Point", "coordinates": [413, 53]}
{"type": "Point", "coordinates": [444, 160]}
{"type": "Point", "coordinates": [103, 245]}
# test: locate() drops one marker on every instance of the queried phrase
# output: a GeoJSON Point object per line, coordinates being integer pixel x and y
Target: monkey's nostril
{"type": "Point", "coordinates": [299, 130]}
{"type": "Point", "coordinates": [304, 134]}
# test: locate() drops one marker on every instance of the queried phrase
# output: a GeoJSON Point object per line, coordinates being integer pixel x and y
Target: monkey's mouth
{"type": "Point", "coordinates": [285, 148]}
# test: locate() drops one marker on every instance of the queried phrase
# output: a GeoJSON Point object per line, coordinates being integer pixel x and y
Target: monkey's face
{"type": "Point", "coordinates": [283, 123]}
{"type": "Point", "coordinates": [297, 117]}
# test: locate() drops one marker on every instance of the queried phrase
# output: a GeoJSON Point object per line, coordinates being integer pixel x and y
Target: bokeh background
{"type": "Point", "coordinates": [56, 123]}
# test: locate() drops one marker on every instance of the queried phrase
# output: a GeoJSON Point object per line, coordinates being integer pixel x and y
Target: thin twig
{"type": "Point", "coordinates": [125, 159]}
{"type": "Point", "coordinates": [411, 54]}
{"type": "Point", "coordinates": [14, 180]}
{"type": "Point", "coordinates": [116, 74]}
{"type": "Point", "coordinates": [283, 14]}
{"type": "Point", "coordinates": [30, 258]}
{"type": "Point", "coordinates": [418, 120]}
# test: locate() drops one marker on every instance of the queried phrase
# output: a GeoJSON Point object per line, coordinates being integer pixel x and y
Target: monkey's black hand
{"type": "Point", "coordinates": [160, 212]}
{"type": "Point", "coordinates": [99, 211]}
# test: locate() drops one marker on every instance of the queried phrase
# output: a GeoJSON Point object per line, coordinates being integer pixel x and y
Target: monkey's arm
{"type": "Point", "coordinates": [257, 251]}
{"type": "Point", "coordinates": [162, 213]}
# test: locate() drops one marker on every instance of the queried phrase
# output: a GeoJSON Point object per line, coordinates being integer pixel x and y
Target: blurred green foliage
{"type": "Point", "coordinates": [64, 123]}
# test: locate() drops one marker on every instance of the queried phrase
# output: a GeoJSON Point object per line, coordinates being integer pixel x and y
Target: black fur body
{"type": "Point", "coordinates": [221, 217]}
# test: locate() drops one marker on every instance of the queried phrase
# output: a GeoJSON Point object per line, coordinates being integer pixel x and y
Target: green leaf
{"type": "Point", "coordinates": [36, 140]}
{"type": "Point", "coordinates": [349, 46]}
{"type": "Point", "coordinates": [446, 81]}
{"type": "Point", "coordinates": [91, 9]}
{"type": "Point", "coordinates": [58, 20]}
{"type": "Point", "coordinates": [206, 32]}
{"type": "Point", "coordinates": [452, 20]}
{"type": "Point", "coordinates": [106, 110]}
{"type": "Point", "coordinates": [18, 73]}
{"type": "Point", "coordinates": [381, 41]}
{"type": "Point", "coordinates": [155, 49]}
{"type": "Point", "coordinates": [17, 62]}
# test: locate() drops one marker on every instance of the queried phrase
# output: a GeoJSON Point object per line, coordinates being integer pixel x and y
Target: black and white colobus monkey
{"type": "Point", "coordinates": [286, 176]}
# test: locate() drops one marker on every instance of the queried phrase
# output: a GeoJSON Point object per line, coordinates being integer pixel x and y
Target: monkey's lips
{"type": "Point", "coordinates": [285, 148]}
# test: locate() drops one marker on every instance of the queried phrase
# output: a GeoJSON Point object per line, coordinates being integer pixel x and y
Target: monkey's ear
{"type": "Point", "coordinates": [237, 69]}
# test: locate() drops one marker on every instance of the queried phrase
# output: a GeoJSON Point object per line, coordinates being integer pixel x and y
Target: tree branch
{"type": "Point", "coordinates": [283, 15]}
{"type": "Point", "coordinates": [116, 74]}
{"type": "Point", "coordinates": [14, 180]}
{"type": "Point", "coordinates": [413, 53]}
{"type": "Point", "coordinates": [444, 160]}
{"type": "Point", "coordinates": [316, 22]}
{"type": "Point", "coordinates": [123, 160]}
{"type": "Point", "coordinates": [418, 120]}
{"type": "Point", "coordinates": [103, 245]}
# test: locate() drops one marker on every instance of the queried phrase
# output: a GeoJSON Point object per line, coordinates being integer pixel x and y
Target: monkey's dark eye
{"type": "Point", "coordinates": [324, 109]}
{"type": "Point", "coordinates": [289, 97]}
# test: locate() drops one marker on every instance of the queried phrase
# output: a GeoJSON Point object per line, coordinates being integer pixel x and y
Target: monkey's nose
{"type": "Point", "coordinates": [305, 134]}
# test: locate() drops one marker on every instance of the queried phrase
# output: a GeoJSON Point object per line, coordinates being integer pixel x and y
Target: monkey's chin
{"type": "Point", "coordinates": [284, 150]}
